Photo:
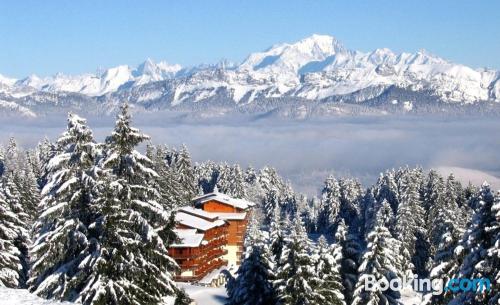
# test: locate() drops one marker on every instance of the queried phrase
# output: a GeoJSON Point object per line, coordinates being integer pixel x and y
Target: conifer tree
{"type": "Point", "coordinates": [410, 218]}
{"type": "Point", "coordinates": [254, 283]}
{"type": "Point", "coordinates": [445, 264]}
{"type": "Point", "coordinates": [330, 205]}
{"type": "Point", "coordinates": [2, 161]}
{"type": "Point", "coordinates": [276, 234]}
{"type": "Point", "coordinates": [350, 195]}
{"type": "Point", "coordinates": [481, 246]}
{"type": "Point", "coordinates": [130, 263]}
{"type": "Point", "coordinates": [369, 211]}
{"type": "Point", "coordinates": [386, 188]}
{"type": "Point", "coordinates": [62, 239]}
{"type": "Point", "coordinates": [351, 252]}
{"type": "Point", "coordinates": [328, 273]}
{"type": "Point", "coordinates": [297, 282]}
{"type": "Point", "coordinates": [185, 171]}
{"type": "Point", "coordinates": [168, 184]}
{"type": "Point", "coordinates": [379, 261]}
{"type": "Point", "coordinates": [11, 270]}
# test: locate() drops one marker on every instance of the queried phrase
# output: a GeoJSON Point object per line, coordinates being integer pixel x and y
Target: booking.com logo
{"type": "Point", "coordinates": [436, 286]}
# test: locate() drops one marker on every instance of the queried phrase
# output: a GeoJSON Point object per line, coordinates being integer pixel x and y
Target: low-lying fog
{"type": "Point", "coordinates": [307, 151]}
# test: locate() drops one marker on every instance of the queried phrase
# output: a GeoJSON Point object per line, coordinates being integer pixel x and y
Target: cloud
{"type": "Point", "coordinates": [306, 152]}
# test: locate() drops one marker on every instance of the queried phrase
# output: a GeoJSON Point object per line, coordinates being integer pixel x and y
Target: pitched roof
{"type": "Point", "coordinates": [197, 222]}
{"type": "Point", "coordinates": [188, 238]}
{"type": "Point", "coordinates": [226, 199]}
{"type": "Point", "coordinates": [198, 212]}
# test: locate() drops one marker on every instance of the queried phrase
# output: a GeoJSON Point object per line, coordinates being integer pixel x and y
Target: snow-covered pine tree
{"type": "Point", "coordinates": [254, 282]}
{"type": "Point", "coordinates": [44, 152]}
{"type": "Point", "coordinates": [492, 261]}
{"type": "Point", "coordinates": [330, 205]}
{"type": "Point", "coordinates": [238, 182]}
{"type": "Point", "coordinates": [253, 189]}
{"type": "Point", "coordinates": [409, 219]}
{"type": "Point", "coordinates": [351, 252]}
{"type": "Point", "coordinates": [481, 248]}
{"type": "Point", "coordinates": [13, 191]}
{"type": "Point", "coordinates": [369, 208]}
{"type": "Point", "coordinates": [250, 175]}
{"type": "Point", "coordinates": [30, 193]}
{"type": "Point", "coordinates": [309, 214]}
{"type": "Point", "coordinates": [129, 263]}
{"type": "Point", "coordinates": [271, 202]}
{"type": "Point", "coordinates": [458, 208]}
{"type": "Point", "coordinates": [387, 189]}
{"type": "Point", "coordinates": [62, 230]}
{"type": "Point", "coordinates": [445, 264]}
{"type": "Point", "coordinates": [433, 189]}
{"type": "Point", "coordinates": [2, 161]}
{"type": "Point", "coordinates": [380, 261]}
{"type": "Point", "coordinates": [12, 156]}
{"type": "Point", "coordinates": [168, 184]}
{"type": "Point", "coordinates": [11, 269]}
{"type": "Point", "coordinates": [328, 273]}
{"type": "Point", "coordinates": [276, 234]}
{"type": "Point", "coordinates": [185, 172]}
{"type": "Point", "coordinates": [296, 279]}
{"type": "Point", "coordinates": [350, 195]}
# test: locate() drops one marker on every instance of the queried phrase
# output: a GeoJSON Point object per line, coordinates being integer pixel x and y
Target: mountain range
{"type": "Point", "coordinates": [314, 76]}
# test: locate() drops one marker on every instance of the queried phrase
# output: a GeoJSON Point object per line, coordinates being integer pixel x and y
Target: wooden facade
{"type": "Point", "coordinates": [222, 204]}
{"type": "Point", "coordinates": [198, 260]}
{"type": "Point", "coordinates": [211, 236]}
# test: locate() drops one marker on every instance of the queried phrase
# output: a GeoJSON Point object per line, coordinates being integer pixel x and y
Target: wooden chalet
{"type": "Point", "coordinates": [236, 212]}
{"type": "Point", "coordinates": [201, 245]}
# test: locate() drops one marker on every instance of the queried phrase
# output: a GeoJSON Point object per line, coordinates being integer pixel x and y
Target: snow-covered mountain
{"type": "Point", "coordinates": [89, 84]}
{"type": "Point", "coordinates": [316, 68]}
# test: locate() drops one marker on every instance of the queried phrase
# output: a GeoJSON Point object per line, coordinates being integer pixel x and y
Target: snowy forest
{"type": "Point", "coordinates": [89, 222]}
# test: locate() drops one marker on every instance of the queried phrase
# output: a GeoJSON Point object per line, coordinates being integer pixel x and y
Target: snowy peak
{"type": "Point", "coordinates": [109, 81]}
{"type": "Point", "coordinates": [156, 72]}
{"type": "Point", "coordinates": [315, 67]}
{"type": "Point", "coordinates": [6, 81]}
{"type": "Point", "coordinates": [289, 58]}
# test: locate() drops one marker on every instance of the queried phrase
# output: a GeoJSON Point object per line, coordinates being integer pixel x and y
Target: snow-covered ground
{"type": "Point", "coordinates": [201, 295]}
{"type": "Point", "coordinates": [206, 295]}
{"type": "Point", "coordinates": [9, 296]}
{"type": "Point", "coordinates": [23, 297]}
{"type": "Point", "coordinates": [410, 297]}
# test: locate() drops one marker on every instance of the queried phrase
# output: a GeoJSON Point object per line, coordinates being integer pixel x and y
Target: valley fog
{"type": "Point", "coordinates": [305, 152]}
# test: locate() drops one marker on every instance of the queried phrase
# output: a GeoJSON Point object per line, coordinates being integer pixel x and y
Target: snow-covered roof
{"type": "Point", "coordinates": [198, 212]}
{"type": "Point", "coordinates": [226, 199]}
{"type": "Point", "coordinates": [211, 216]}
{"type": "Point", "coordinates": [230, 216]}
{"type": "Point", "coordinates": [197, 222]}
{"type": "Point", "coordinates": [188, 238]}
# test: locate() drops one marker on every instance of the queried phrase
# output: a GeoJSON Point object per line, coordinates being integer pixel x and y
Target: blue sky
{"type": "Point", "coordinates": [45, 37]}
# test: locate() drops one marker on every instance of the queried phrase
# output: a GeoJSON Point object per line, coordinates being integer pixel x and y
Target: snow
{"type": "Point", "coordinates": [198, 212]}
{"type": "Point", "coordinates": [14, 107]}
{"type": "Point", "coordinates": [410, 297]}
{"type": "Point", "coordinates": [205, 295]}
{"type": "Point", "coordinates": [188, 238]}
{"type": "Point", "coordinates": [11, 296]}
{"type": "Point", "coordinates": [197, 222]}
{"type": "Point", "coordinates": [316, 67]}
{"type": "Point", "coordinates": [226, 199]}
{"type": "Point", "coordinates": [95, 84]}
{"type": "Point", "coordinates": [23, 297]}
